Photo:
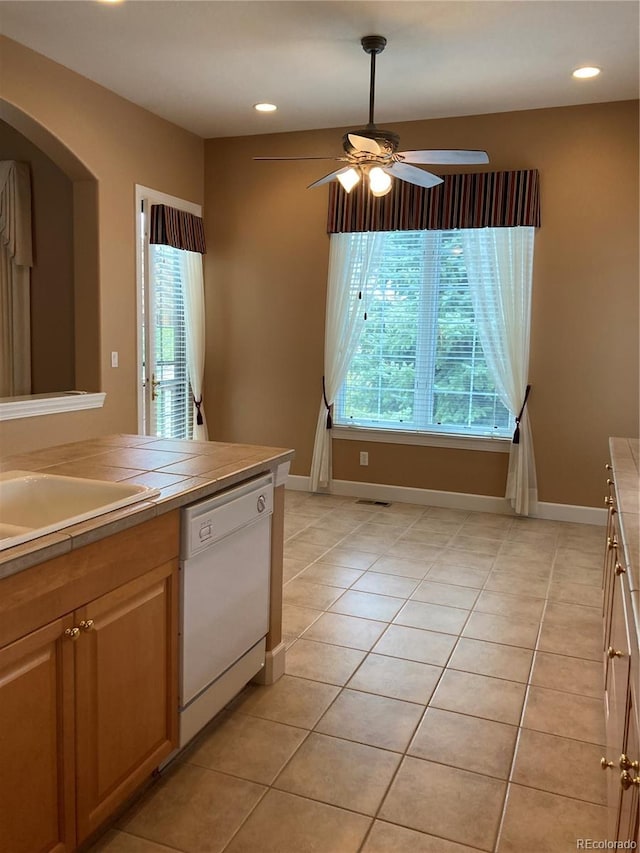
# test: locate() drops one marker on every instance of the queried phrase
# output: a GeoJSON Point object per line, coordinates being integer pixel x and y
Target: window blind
{"type": "Point", "coordinates": [420, 365]}
{"type": "Point", "coordinates": [173, 406]}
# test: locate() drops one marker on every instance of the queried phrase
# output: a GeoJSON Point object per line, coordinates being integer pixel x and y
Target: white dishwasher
{"type": "Point", "coordinates": [225, 571]}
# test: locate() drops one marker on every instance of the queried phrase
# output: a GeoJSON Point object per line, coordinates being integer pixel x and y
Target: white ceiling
{"type": "Point", "coordinates": [202, 64]}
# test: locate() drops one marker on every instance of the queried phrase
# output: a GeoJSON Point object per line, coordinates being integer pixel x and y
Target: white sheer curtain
{"type": "Point", "coordinates": [499, 265]}
{"type": "Point", "coordinates": [193, 289]}
{"type": "Point", "coordinates": [351, 256]}
{"type": "Point", "coordinates": [15, 278]}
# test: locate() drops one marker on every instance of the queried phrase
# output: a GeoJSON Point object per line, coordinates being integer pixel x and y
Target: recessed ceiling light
{"type": "Point", "coordinates": [265, 108]}
{"type": "Point", "coordinates": [586, 71]}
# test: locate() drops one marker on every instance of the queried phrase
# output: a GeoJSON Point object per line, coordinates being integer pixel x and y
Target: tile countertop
{"type": "Point", "coordinates": [183, 471]}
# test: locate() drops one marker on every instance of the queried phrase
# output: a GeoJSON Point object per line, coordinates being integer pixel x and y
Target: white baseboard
{"type": "Point", "coordinates": [451, 500]}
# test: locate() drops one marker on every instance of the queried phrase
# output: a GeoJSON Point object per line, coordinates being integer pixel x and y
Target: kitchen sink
{"type": "Point", "coordinates": [34, 504]}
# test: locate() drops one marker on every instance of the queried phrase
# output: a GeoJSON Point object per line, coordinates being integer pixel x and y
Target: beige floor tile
{"type": "Point", "coordinates": [389, 838]}
{"type": "Point", "coordinates": [519, 567]}
{"type": "Point", "coordinates": [308, 594]}
{"type": "Point", "coordinates": [483, 531]}
{"type": "Point", "coordinates": [386, 584]}
{"type": "Point", "coordinates": [297, 619]}
{"type": "Point", "coordinates": [501, 582]}
{"type": "Point", "coordinates": [317, 536]}
{"type": "Point", "coordinates": [502, 604]}
{"type": "Point", "coordinates": [416, 644]}
{"type": "Point", "coordinates": [573, 675]}
{"type": "Point", "coordinates": [432, 617]}
{"type": "Point", "coordinates": [122, 842]}
{"type": "Point", "coordinates": [408, 548]}
{"type": "Point", "coordinates": [370, 719]}
{"type": "Point", "coordinates": [336, 576]}
{"type": "Point", "coordinates": [531, 536]}
{"type": "Point", "coordinates": [558, 640]}
{"type": "Point", "coordinates": [457, 575]}
{"type": "Point", "coordinates": [445, 514]}
{"type": "Point", "coordinates": [193, 809]}
{"type": "Point", "coordinates": [548, 822]}
{"type": "Point", "coordinates": [480, 696]}
{"type": "Point", "coordinates": [248, 747]}
{"type": "Point", "coordinates": [589, 558]}
{"type": "Point", "coordinates": [542, 761]}
{"type": "Point", "coordinates": [427, 537]}
{"type": "Point", "coordinates": [577, 574]}
{"type": "Point", "coordinates": [541, 550]}
{"type": "Point", "coordinates": [565, 714]}
{"type": "Point", "coordinates": [346, 631]}
{"type": "Point", "coordinates": [401, 566]}
{"type": "Point", "coordinates": [340, 772]}
{"type": "Point", "coordinates": [580, 619]}
{"type": "Point", "coordinates": [509, 631]}
{"type": "Point", "coordinates": [462, 806]}
{"type": "Point", "coordinates": [498, 661]}
{"type": "Point", "coordinates": [575, 593]}
{"type": "Point", "coordinates": [471, 743]}
{"type": "Point", "coordinates": [437, 525]}
{"type": "Point", "coordinates": [291, 568]}
{"type": "Point", "coordinates": [399, 679]}
{"type": "Point", "coordinates": [446, 594]}
{"type": "Point", "coordinates": [304, 551]}
{"type": "Point", "coordinates": [462, 542]}
{"type": "Point", "coordinates": [290, 700]}
{"type": "Point", "coordinates": [491, 519]}
{"type": "Point", "coordinates": [350, 558]}
{"type": "Point", "coordinates": [367, 605]}
{"type": "Point", "coordinates": [285, 823]}
{"type": "Point", "coordinates": [322, 662]}
{"type": "Point", "coordinates": [467, 559]}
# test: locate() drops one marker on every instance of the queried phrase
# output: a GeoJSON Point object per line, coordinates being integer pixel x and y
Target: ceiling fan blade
{"type": "Point", "coordinates": [413, 175]}
{"type": "Point", "coordinates": [329, 177]}
{"type": "Point", "coordinates": [297, 158]}
{"type": "Point", "coordinates": [363, 143]}
{"type": "Point", "coordinates": [452, 157]}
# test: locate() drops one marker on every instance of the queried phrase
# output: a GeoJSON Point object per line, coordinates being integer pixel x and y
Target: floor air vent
{"type": "Point", "coordinates": [374, 503]}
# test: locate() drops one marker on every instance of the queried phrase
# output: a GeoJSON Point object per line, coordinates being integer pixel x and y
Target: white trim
{"type": "Point", "coordinates": [425, 439]}
{"type": "Point", "coordinates": [152, 197]}
{"type": "Point", "coordinates": [49, 404]}
{"type": "Point", "coordinates": [282, 472]}
{"type": "Point", "coordinates": [452, 500]}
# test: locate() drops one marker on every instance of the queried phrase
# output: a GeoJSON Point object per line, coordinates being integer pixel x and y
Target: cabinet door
{"type": "Point", "coordinates": [630, 798]}
{"type": "Point", "coordinates": [126, 691]}
{"type": "Point", "coordinates": [616, 687]}
{"type": "Point", "coordinates": [36, 742]}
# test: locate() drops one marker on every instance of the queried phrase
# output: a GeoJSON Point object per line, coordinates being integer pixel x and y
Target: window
{"type": "Point", "coordinates": [419, 365]}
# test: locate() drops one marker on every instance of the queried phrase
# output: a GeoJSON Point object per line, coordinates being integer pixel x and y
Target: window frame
{"type": "Point", "coordinates": [441, 437]}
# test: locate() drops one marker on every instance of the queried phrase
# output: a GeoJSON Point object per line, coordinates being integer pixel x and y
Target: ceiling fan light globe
{"type": "Point", "coordinates": [379, 182]}
{"type": "Point", "coordinates": [349, 179]}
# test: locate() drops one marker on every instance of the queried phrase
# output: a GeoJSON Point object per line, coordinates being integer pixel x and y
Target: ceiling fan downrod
{"type": "Point", "coordinates": [373, 45]}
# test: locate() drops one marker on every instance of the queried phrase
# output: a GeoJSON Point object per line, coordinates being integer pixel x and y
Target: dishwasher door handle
{"type": "Point", "coordinates": [262, 503]}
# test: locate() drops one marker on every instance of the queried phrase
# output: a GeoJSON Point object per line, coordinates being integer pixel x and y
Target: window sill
{"type": "Point", "coordinates": [425, 439]}
{"type": "Point", "coordinates": [49, 404]}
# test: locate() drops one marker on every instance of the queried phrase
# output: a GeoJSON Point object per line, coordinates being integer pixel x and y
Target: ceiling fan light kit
{"type": "Point", "coordinates": [371, 153]}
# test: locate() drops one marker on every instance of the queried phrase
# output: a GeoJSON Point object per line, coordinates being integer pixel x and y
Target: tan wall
{"type": "Point", "coordinates": [52, 350]}
{"type": "Point", "coordinates": [121, 145]}
{"type": "Point", "coordinates": [266, 281]}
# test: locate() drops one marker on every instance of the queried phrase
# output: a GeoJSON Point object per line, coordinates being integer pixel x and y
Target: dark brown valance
{"type": "Point", "coordinates": [474, 200]}
{"type": "Point", "coordinates": [177, 228]}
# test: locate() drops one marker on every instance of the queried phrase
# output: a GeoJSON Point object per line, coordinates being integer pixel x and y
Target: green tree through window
{"type": "Point", "coordinates": [419, 364]}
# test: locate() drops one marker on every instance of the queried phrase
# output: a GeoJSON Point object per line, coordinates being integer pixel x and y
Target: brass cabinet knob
{"type": "Point", "coordinates": [626, 763]}
{"type": "Point", "coordinates": [608, 467]}
{"type": "Point", "coordinates": [72, 633]}
{"type": "Point", "coordinates": [610, 482]}
{"type": "Point", "coordinates": [620, 569]}
{"type": "Point", "coordinates": [608, 501]}
{"type": "Point", "coordinates": [614, 653]}
{"type": "Point", "coordinates": [627, 780]}
{"type": "Point", "coordinates": [86, 624]}
{"type": "Point", "coordinates": [612, 542]}
{"type": "Point", "coordinates": [605, 764]}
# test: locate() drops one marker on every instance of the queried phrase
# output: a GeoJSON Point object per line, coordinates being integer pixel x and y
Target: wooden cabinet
{"type": "Point", "coordinates": [621, 666]}
{"type": "Point", "coordinates": [88, 703]}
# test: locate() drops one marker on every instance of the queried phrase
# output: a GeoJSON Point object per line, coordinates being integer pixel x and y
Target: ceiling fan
{"type": "Point", "coordinates": [372, 152]}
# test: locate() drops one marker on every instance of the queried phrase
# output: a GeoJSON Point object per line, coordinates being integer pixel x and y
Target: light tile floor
{"type": "Point", "coordinates": [443, 694]}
